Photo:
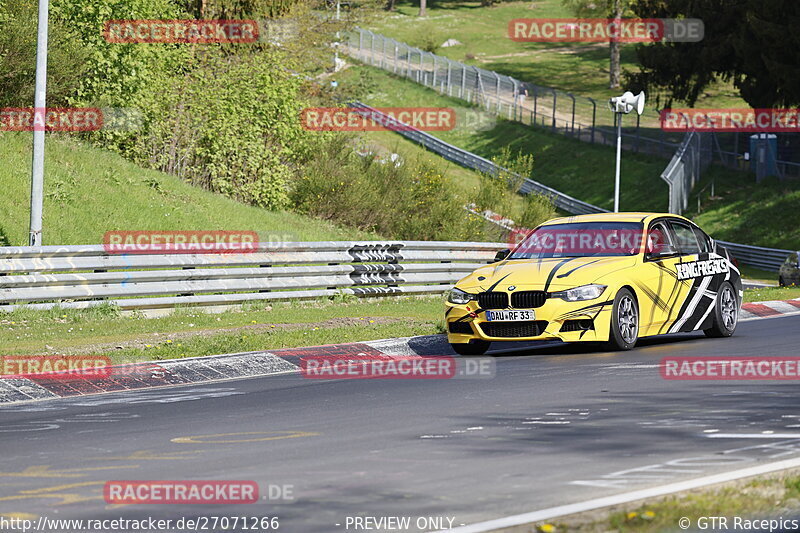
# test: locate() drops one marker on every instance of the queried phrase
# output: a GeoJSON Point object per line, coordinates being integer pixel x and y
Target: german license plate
{"type": "Point", "coordinates": [510, 315]}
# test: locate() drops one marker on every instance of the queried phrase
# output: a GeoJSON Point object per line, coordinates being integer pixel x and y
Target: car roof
{"type": "Point", "coordinates": [613, 217]}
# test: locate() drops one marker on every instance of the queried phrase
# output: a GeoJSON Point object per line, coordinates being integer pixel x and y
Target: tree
{"type": "Point", "coordinates": [603, 8]}
{"type": "Point", "coordinates": [422, 6]}
{"type": "Point", "coordinates": [753, 43]}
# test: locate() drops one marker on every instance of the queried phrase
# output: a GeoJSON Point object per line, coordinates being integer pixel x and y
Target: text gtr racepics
{"type": "Point", "coordinates": [609, 277]}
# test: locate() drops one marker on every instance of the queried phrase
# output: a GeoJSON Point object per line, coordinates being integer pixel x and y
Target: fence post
{"type": "Point", "coordinates": [383, 52]}
{"type": "Point", "coordinates": [361, 43]}
{"type": "Point", "coordinates": [572, 128]}
{"type": "Point", "coordinates": [555, 98]}
{"type": "Point", "coordinates": [463, 80]}
{"type": "Point", "coordinates": [448, 77]}
{"type": "Point", "coordinates": [515, 92]}
{"type": "Point", "coordinates": [372, 48]}
{"type": "Point", "coordinates": [594, 115]}
{"type": "Point", "coordinates": [497, 90]}
{"type": "Point", "coordinates": [535, 101]}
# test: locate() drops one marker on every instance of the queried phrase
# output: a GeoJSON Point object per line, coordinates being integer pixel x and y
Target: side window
{"type": "Point", "coordinates": [686, 239]}
{"type": "Point", "coordinates": [658, 238]}
{"type": "Point", "coordinates": [703, 239]}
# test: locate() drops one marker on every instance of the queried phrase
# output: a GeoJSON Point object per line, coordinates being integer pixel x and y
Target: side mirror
{"type": "Point", "coordinates": [502, 254]}
{"type": "Point", "coordinates": [665, 250]}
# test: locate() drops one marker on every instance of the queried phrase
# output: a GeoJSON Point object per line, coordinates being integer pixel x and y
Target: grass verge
{"type": "Point", "coordinates": [774, 496]}
{"type": "Point", "coordinates": [191, 332]}
{"type": "Point", "coordinates": [89, 191]}
{"type": "Point", "coordinates": [580, 169]}
{"type": "Point", "coordinates": [771, 293]}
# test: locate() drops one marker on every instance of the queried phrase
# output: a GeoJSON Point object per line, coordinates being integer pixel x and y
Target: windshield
{"type": "Point", "coordinates": [581, 239]}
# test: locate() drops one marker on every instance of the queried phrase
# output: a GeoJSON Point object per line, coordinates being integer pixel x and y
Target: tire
{"type": "Point", "coordinates": [473, 348]}
{"type": "Point", "coordinates": [781, 282]}
{"type": "Point", "coordinates": [726, 313]}
{"type": "Point", "coordinates": [624, 321]}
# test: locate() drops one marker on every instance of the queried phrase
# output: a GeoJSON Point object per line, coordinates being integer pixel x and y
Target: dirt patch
{"type": "Point", "coordinates": [572, 49]}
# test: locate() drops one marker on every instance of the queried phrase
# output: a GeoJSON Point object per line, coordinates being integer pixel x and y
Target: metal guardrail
{"type": "Point", "coordinates": [467, 159]}
{"type": "Point", "coordinates": [764, 258]}
{"type": "Point", "coordinates": [84, 276]}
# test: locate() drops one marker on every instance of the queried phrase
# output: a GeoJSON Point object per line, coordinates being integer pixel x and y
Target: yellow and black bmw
{"type": "Point", "coordinates": [611, 277]}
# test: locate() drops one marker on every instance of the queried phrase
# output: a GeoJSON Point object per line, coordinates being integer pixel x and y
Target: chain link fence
{"type": "Point", "coordinates": [572, 115]}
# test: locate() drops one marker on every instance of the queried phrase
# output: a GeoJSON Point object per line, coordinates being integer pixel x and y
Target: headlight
{"type": "Point", "coordinates": [584, 292]}
{"type": "Point", "coordinates": [457, 296]}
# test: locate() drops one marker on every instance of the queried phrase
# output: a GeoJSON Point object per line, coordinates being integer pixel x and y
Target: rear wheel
{"type": "Point", "coordinates": [726, 313]}
{"type": "Point", "coordinates": [624, 321]}
{"type": "Point", "coordinates": [473, 348]}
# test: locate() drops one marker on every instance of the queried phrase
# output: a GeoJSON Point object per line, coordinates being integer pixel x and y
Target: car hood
{"type": "Point", "coordinates": [544, 274]}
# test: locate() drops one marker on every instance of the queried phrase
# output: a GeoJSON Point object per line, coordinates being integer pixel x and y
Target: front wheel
{"type": "Point", "coordinates": [624, 321]}
{"type": "Point", "coordinates": [726, 313]}
{"type": "Point", "coordinates": [473, 348]}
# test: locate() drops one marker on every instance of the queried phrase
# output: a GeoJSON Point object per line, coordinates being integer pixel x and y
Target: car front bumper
{"type": "Point", "coordinates": [584, 321]}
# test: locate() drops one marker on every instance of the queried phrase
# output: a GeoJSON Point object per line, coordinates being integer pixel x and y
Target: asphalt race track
{"type": "Point", "coordinates": [557, 425]}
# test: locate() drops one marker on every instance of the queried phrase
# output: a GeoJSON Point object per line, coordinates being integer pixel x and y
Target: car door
{"type": "Point", "coordinates": [659, 290]}
{"type": "Point", "coordinates": [701, 271]}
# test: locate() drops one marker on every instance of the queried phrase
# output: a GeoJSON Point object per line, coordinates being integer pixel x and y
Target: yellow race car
{"type": "Point", "coordinates": [612, 278]}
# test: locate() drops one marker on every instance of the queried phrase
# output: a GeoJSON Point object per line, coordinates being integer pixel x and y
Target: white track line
{"type": "Point", "coordinates": [752, 436]}
{"type": "Point", "coordinates": [627, 497]}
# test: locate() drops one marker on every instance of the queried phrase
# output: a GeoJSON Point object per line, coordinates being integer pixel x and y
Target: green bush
{"type": "Point", "coordinates": [18, 24]}
{"type": "Point", "coordinates": [230, 124]}
{"type": "Point", "coordinates": [118, 74]}
{"type": "Point", "coordinates": [537, 209]}
{"type": "Point", "coordinates": [412, 200]}
{"type": "Point", "coordinates": [224, 117]}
